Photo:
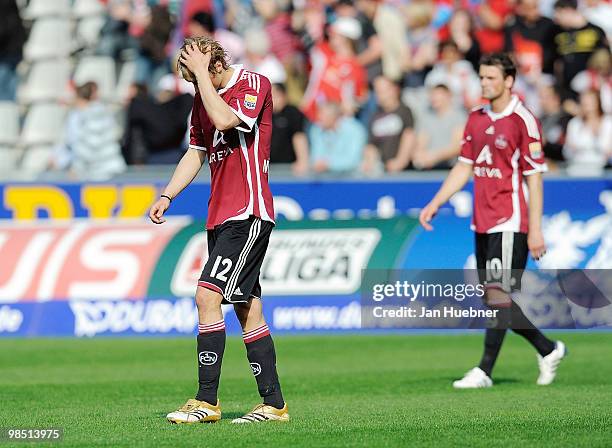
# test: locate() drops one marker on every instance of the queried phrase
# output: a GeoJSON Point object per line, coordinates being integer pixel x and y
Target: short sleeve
{"type": "Point", "coordinates": [467, 152]}
{"type": "Point", "coordinates": [196, 136]}
{"type": "Point", "coordinates": [249, 98]}
{"type": "Point", "coordinates": [531, 153]}
{"type": "Point", "coordinates": [407, 118]}
{"type": "Point", "coordinates": [298, 121]}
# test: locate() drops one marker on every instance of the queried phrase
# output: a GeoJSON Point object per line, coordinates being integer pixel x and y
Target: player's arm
{"type": "Point", "coordinates": [219, 112]}
{"type": "Point", "coordinates": [457, 178]}
{"type": "Point", "coordinates": [455, 181]}
{"type": "Point", "coordinates": [185, 172]}
{"type": "Point", "coordinates": [535, 238]}
{"type": "Point", "coordinates": [532, 164]}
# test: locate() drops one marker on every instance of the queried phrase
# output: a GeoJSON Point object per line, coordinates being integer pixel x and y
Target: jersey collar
{"type": "Point", "coordinates": [504, 113]}
{"type": "Point", "coordinates": [233, 80]}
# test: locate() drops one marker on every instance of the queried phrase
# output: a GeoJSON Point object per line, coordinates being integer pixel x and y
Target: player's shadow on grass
{"type": "Point", "coordinates": [506, 381]}
{"type": "Point", "coordinates": [232, 415]}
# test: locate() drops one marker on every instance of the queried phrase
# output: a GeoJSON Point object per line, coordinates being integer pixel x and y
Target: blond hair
{"type": "Point", "coordinates": [204, 44]}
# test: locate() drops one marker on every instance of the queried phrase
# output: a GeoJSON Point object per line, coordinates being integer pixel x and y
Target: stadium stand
{"type": "Point", "coordinates": [47, 81]}
{"type": "Point", "coordinates": [70, 42]}
{"type": "Point", "coordinates": [49, 38]}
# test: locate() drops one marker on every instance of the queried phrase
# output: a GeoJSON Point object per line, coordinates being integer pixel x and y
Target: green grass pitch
{"type": "Point", "coordinates": [359, 390]}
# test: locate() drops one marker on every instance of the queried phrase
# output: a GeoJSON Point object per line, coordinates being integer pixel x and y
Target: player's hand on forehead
{"type": "Point", "coordinates": [194, 59]}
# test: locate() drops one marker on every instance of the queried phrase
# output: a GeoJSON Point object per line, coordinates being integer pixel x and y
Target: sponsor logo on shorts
{"type": "Point", "coordinates": [256, 368]}
{"type": "Point", "coordinates": [207, 358]}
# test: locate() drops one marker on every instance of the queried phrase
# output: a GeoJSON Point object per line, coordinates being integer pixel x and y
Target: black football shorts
{"type": "Point", "coordinates": [236, 250]}
{"type": "Point", "coordinates": [501, 259]}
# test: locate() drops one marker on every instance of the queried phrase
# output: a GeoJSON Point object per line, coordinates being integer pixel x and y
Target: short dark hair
{"type": "Point", "coordinates": [572, 4]}
{"type": "Point", "coordinates": [87, 90]}
{"type": "Point", "coordinates": [448, 43]}
{"type": "Point", "coordinates": [396, 82]}
{"type": "Point", "coordinates": [281, 87]}
{"type": "Point", "coordinates": [206, 20]}
{"type": "Point", "coordinates": [442, 87]}
{"type": "Point", "coordinates": [501, 60]}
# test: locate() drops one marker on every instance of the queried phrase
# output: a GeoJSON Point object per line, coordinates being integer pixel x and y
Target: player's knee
{"type": "Point", "coordinates": [207, 299]}
{"type": "Point", "coordinates": [497, 298]}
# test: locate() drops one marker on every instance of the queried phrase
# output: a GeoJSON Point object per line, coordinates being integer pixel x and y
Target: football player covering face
{"type": "Point", "coordinates": [502, 148]}
{"type": "Point", "coordinates": [231, 126]}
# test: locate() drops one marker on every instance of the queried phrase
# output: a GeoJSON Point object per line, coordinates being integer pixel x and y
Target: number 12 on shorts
{"type": "Point", "coordinates": [226, 266]}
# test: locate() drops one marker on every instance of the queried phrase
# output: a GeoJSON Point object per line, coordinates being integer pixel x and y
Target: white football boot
{"type": "Point", "coordinates": [195, 411]}
{"type": "Point", "coordinates": [474, 379]}
{"type": "Point", "coordinates": [548, 364]}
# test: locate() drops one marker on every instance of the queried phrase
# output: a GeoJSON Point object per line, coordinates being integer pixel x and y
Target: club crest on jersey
{"type": "Point", "coordinates": [501, 142]}
{"type": "Point", "coordinates": [250, 101]}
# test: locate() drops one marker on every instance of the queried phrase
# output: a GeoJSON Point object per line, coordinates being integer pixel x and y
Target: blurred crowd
{"type": "Point", "coordinates": [364, 86]}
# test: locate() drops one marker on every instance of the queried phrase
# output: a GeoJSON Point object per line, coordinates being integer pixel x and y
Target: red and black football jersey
{"type": "Point", "coordinates": [503, 148]}
{"type": "Point", "coordinates": [239, 158]}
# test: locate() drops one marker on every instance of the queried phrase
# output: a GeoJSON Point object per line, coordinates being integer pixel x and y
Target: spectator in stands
{"type": "Point", "coordinates": [115, 39]}
{"type": "Point", "coordinates": [599, 12]}
{"type": "Point", "coordinates": [368, 46]}
{"type": "Point", "coordinates": [576, 41]}
{"type": "Point", "coordinates": [589, 136]}
{"type": "Point", "coordinates": [390, 134]}
{"type": "Point", "coordinates": [439, 131]}
{"type": "Point", "coordinates": [456, 73]}
{"type": "Point", "coordinates": [462, 32]}
{"type": "Point", "coordinates": [240, 15]}
{"type": "Point", "coordinates": [337, 75]}
{"type": "Point", "coordinates": [422, 42]}
{"type": "Point", "coordinates": [531, 37]}
{"type": "Point", "coordinates": [153, 62]}
{"type": "Point", "coordinates": [12, 38]}
{"type": "Point", "coordinates": [336, 141]}
{"type": "Point", "coordinates": [203, 24]}
{"type": "Point", "coordinates": [554, 121]}
{"type": "Point", "coordinates": [155, 127]}
{"type": "Point", "coordinates": [492, 15]}
{"type": "Point", "coordinates": [388, 25]}
{"type": "Point", "coordinates": [277, 25]}
{"type": "Point", "coordinates": [259, 58]}
{"type": "Point", "coordinates": [189, 9]}
{"type": "Point", "coordinates": [90, 147]}
{"type": "Point", "coordinates": [597, 76]}
{"type": "Point", "coordinates": [289, 141]}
